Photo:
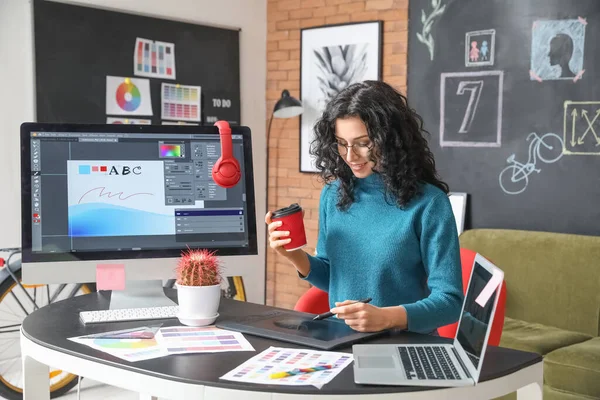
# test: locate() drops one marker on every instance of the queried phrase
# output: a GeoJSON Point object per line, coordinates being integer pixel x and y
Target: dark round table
{"type": "Point", "coordinates": [44, 342]}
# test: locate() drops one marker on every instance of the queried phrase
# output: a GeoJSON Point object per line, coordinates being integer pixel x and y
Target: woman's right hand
{"type": "Point", "coordinates": [277, 239]}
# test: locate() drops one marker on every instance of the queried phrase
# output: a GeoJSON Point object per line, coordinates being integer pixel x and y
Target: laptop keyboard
{"type": "Point", "coordinates": [427, 362]}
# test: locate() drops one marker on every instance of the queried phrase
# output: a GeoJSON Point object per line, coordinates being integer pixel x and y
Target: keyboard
{"type": "Point", "coordinates": [128, 314]}
{"type": "Point", "coordinates": [428, 362]}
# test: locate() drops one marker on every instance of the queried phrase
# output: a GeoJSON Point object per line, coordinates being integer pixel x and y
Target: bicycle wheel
{"type": "Point", "coordinates": [15, 305]}
{"type": "Point", "coordinates": [550, 148]}
{"type": "Point", "coordinates": [513, 180]}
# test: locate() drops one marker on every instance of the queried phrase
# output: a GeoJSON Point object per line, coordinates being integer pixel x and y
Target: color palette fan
{"type": "Point", "coordinates": [125, 343]}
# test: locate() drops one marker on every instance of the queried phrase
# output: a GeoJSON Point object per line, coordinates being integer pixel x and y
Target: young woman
{"type": "Point", "coordinates": [386, 227]}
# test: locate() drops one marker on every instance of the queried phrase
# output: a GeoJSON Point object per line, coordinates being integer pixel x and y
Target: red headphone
{"type": "Point", "coordinates": [226, 172]}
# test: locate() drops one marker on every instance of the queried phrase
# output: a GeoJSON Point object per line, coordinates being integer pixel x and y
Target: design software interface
{"type": "Point", "coordinates": [132, 191]}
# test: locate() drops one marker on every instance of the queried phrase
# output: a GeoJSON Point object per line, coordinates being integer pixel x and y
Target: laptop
{"type": "Point", "coordinates": [446, 365]}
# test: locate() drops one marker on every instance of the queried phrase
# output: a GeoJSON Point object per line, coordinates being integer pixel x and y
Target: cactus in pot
{"type": "Point", "coordinates": [199, 268]}
{"type": "Point", "coordinates": [198, 281]}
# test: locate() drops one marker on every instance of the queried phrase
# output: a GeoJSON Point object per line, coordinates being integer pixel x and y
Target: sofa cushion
{"type": "Point", "coordinates": [575, 368]}
{"type": "Point", "coordinates": [537, 338]}
{"type": "Point", "coordinates": [554, 394]}
{"type": "Point", "coordinates": [551, 278]}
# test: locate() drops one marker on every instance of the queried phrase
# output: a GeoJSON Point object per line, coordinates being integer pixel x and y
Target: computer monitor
{"type": "Point", "coordinates": [136, 195]}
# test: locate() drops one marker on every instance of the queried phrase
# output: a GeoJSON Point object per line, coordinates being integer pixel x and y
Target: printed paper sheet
{"type": "Point", "coordinates": [276, 359]}
{"type": "Point", "coordinates": [167, 341]}
{"type": "Point", "coordinates": [128, 121]}
{"type": "Point", "coordinates": [180, 102]}
{"type": "Point", "coordinates": [154, 59]}
{"type": "Point", "coordinates": [185, 339]}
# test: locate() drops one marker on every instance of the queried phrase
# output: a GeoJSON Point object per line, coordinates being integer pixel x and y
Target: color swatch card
{"type": "Point", "coordinates": [128, 96]}
{"type": "Point", "coordinates": [185, 339]}
{"type": "Point", "coordinates": [128, 121]}
{"type": "Point", "coordinates": [261, 367]}
{"type": "Point", "coordinates": [180, 102]}
{"type": "Point", "coordinates": [154, 59]}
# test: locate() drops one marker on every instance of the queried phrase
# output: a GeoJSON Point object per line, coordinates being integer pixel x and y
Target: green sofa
{"type": "Point", "coordinates": [552, 303]}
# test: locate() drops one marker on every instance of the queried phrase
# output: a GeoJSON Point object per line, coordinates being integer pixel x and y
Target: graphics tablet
{"type": "Point", "coordinates": [295, 327]}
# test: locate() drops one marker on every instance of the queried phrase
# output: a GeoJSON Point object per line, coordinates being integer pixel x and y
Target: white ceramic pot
{"type": "Point", "coordinates": [198, 305]}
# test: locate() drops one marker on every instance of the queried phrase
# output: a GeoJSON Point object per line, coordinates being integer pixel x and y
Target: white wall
{"type": "Point", "coordinates": [17, 99]}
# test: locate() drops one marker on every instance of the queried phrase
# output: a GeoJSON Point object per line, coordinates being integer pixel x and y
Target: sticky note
{"type": "Point", "coordinates": [110, 276]}
{"type": "Point", "coordinates": [489, 289]}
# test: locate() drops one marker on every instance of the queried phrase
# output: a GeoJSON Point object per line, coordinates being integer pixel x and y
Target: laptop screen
{"type": "Point", "coordinates": [475, 319]}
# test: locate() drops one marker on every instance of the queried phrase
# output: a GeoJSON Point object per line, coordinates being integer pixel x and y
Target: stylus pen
{"type": "Point", "coordinates": [330, 314]}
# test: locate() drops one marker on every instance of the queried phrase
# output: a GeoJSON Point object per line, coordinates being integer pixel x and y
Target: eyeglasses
{"type": "Point", "coordinates": [360, 149]}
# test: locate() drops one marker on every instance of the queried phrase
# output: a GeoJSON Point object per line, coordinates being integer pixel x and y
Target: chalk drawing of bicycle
{"type": "Point", "coordinates": [515, 177]}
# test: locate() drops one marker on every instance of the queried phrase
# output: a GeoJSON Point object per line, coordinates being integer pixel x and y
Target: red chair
{"type": "Point", "coordinates": [449, 331]}
{"type": "Point", "coordinates": [314, 301]}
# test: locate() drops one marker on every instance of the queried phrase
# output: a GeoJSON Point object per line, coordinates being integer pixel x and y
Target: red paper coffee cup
{"type": "Point", "coordinates": [292, 221]}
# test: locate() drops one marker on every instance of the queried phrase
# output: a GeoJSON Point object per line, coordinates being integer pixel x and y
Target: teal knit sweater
{"type": "Point", "coordinates": [408, 257]}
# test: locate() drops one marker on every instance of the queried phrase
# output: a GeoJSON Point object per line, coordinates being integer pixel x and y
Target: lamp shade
{"type": "Point", "coordinates": [287, 106]}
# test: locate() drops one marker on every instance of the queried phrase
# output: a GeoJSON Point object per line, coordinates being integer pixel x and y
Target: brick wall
{"type": "Point", "coordinates": [286, 184]}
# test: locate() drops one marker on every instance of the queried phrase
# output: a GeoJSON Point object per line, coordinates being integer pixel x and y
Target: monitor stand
{"type": "Point", "coordinates": [140, 294]}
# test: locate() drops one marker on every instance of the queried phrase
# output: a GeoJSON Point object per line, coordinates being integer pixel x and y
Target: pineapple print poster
{"type": "Point", "coordinates": [332, 58]}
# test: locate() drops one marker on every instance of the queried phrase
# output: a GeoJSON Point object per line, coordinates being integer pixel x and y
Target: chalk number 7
{"type": "Point", "coordinates": [474, 87]}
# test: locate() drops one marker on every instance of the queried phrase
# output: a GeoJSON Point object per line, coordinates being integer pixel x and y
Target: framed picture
{"type": "Point", "coordinates": [480, 47]}
{"type": "Point", "coordinates": [333, 57]}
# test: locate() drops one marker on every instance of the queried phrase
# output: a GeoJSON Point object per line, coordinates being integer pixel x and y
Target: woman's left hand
{"type": "Point", "coordinates": [364, 317]}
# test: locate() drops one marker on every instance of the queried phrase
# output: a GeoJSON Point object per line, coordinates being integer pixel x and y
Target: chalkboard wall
{"type": "Point", "coordinates": [77, 47]}
{"type": "Point", "coordinates": [509, 91]}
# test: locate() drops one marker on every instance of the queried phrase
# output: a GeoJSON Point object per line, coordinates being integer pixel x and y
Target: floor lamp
{"type": "Point", "coordinates": [286, 107]}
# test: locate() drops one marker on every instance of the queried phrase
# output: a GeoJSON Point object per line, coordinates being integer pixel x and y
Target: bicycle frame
{"type": "Point", "coordinates": [520, 171]}
{"type": "Point", "coordinates": [9, 270]}
{"type": "Point", "coordinates": [535, 143]}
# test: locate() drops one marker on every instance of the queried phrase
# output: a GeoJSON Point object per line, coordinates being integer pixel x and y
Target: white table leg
{"type": "Point", "coordinates": [147, 397]}
{"type": "Point", "coordinates": [533, 391]}
{"type": "Point", "coordinates": [36, 379]}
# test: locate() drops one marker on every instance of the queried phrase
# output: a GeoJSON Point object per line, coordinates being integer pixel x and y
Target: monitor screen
{"type": "Point", "coordinates": [96, 192]}
{"type": "Point", "coordinates": [475, 319]}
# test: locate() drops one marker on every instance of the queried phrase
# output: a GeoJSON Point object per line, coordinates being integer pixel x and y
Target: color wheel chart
{"type": "Point", "coordinates": [180, 102]}
{"type": "Point", "coordinates": [128, 96]}
{"type": "Point", "coordinates": [276, 359]}
{"type": "Point", "coordinates": [154, 59]}
{"type": "Point", "coordinates": [180, 339]}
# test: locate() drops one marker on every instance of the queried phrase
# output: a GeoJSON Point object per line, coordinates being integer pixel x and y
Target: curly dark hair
{"type": "Point", "coordinates": [401, 153]}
